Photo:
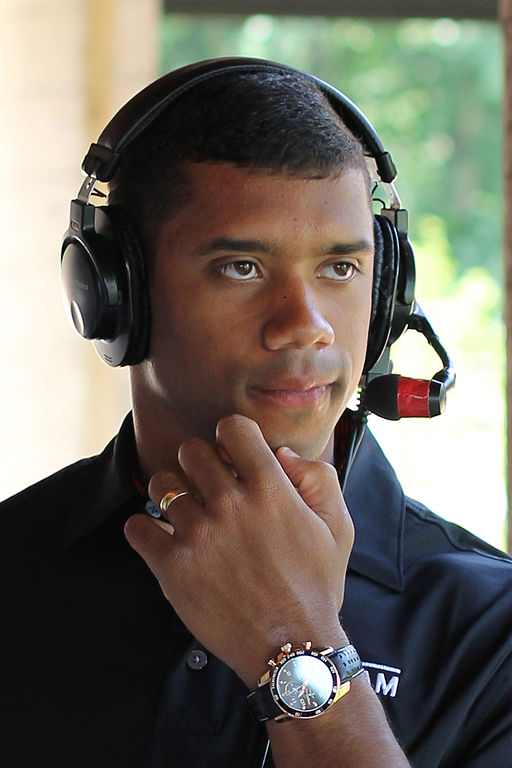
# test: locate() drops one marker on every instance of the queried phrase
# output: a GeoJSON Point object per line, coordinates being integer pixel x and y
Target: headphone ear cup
{"type": "Point", "coordinates": [385, 276]}
{"type": "Point", "coordinates": [104, 283]}
{"type": "Point", "coordinates": [136, 324]}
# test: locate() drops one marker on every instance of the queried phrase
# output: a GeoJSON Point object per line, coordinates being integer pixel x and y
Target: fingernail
{"type": "Point", "coordinates": [288, 451]}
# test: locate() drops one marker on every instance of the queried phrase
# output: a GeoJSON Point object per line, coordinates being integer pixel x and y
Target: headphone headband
{"type": "Point", "coordinates": [138, 113]}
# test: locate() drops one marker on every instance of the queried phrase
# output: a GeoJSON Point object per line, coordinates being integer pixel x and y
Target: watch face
{"type": "Point", "coordinates": [304, 684]}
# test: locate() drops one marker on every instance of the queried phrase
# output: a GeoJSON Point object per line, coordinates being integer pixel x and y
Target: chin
{"type": "Point", "coordinates": [313, 447]}
{"type": "Point", "coordinates": [310, 435]}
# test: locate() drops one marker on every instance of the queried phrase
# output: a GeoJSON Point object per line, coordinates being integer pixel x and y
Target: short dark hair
{"type": "Point", "coordinates": [279, 122]}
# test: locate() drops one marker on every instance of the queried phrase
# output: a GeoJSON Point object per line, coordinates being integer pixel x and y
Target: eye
{"type": "Point", "coordinates": [342, 271]}
{"type": "Point", "coordinates": [239, 270]}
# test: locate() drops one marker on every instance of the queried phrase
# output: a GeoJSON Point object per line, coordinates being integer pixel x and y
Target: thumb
{"type": "Point", "coordinates": [318, 484]}
{"type": "Point", "coordinates": [152, 539]}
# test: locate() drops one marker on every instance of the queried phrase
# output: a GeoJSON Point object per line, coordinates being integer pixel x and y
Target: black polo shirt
{"type": "Point", "coordinates": [96, 670]}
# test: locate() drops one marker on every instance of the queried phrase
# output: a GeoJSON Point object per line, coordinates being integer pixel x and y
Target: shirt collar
{"type": "Point", "coordinates": [106, 482]}
{"type": "Point", "coordinates": [373, 494]}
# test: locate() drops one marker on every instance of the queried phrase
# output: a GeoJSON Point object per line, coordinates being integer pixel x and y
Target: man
{"type": "Point", "coordinates": [251, 199]}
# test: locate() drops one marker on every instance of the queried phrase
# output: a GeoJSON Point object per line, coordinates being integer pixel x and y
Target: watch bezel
{"type": "Point", "coordinates": [291, 711]}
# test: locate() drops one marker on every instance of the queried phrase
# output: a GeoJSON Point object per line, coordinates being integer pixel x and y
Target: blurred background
{"type": "Point", "coordinates": [433, 90]}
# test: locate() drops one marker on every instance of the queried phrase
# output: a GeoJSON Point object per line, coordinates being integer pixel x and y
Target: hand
{"type": "Point", "coordinates": [260, 548]}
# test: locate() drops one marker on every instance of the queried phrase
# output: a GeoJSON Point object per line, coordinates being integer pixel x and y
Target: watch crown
{"type": "Point", "coordinates": [307, 645]}
{"type": "Point", "coordinates": [286, 648]}
{"type": "Point", "coordinates": [271, 663]}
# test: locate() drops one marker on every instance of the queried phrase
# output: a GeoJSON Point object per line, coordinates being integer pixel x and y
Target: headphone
{"type": "Point", "coordinates": [103, 270]}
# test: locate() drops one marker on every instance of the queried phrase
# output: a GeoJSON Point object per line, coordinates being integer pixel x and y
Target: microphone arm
{"type": "Point", "coordinates": [395, 397]}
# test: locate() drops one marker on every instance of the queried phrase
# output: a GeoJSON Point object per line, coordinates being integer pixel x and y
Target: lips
{"type": "Point", "coordinates": [294, 392]}
{"type": "Point", "coordinates": [295, 383]}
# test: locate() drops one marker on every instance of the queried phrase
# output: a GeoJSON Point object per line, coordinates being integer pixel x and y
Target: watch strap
{"type": "Point", "coordinates": [262, 704]}
{"type": "Point", "coordinates": [347, 662]}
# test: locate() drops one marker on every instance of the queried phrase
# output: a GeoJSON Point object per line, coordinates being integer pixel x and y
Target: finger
{"type": "Point", "coordinates": [205, 468]}
{"type": "Point", "coordinates": [153, 543]}
{"type": "Point", "coordinates": [317, 483]}
{"type": "Point", "coordinates": [178, 505]}
{"type": "Point", "coordinates": [164, 481]}
{"type": "Point", "coordinates": [225, 458]}
{"type": "Point", "coordinates": [165, 526]}
{"type": "Point", "coordinates": [167, 481]}
{"type": "Point", "coordinates": [243, 441]}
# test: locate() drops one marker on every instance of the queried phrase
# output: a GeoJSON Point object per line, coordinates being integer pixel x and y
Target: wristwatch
{"type": "Point", "coordinates": [304, 682]}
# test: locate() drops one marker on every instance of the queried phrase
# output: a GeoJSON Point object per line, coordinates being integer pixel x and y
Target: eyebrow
{"type": "Point", "coordinates": [345, 249]}
{"type": "Point", "coordinates": [233, 244]}
{"type": "Point", "coordinates": [253, 246]}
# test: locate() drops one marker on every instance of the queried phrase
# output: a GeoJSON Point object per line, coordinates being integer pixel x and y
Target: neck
{"type": "Point", "coordinates": [157, 442]}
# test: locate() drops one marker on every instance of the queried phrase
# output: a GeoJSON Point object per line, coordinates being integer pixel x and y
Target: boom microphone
{"type": "Point", "coordinates": [395, 397]}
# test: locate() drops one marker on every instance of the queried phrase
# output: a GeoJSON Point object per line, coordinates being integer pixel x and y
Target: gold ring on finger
{"type": "Point", "coordinates": [170, 496]}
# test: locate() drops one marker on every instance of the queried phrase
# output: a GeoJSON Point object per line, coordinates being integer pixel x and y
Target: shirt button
{"type": "Point", "coordinates": [197, 659]}
{"type": "Point", "coordinates": [152, 510]}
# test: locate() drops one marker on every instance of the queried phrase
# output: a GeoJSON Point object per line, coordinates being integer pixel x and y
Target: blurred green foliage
{"type": "Point", "coordinates": [432, 89]}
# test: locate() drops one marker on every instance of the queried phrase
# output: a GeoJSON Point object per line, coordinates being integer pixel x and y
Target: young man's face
{"type": "Point", "coordinates": [260, 302]}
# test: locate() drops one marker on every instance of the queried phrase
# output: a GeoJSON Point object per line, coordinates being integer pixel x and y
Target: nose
{"type": "Point", "coordinates": [296, 319]}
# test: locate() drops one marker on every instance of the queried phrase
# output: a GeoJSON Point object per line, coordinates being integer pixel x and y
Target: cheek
{"type": "Point", "coordinates": [363, 324]}
{"type": "Point", "coordinates": [176, 313]}
{"type": "Point", "coordinates": [354, 321]}
{"type": "Point", "coordinates": [192, 329]}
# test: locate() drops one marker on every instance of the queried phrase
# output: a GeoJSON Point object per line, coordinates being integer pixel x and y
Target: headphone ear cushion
{"type": "Point", "coordinates": [385, 275]}
{"type": "Point", "coordinates": [378, 256]}
{"type": "Point", "coordinates": [132, 253]}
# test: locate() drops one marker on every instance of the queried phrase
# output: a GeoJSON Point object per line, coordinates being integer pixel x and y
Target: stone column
{"type": "Point", "coordinates": [506, 16]}
{"type": "Point", "coordinates": [65, 67]}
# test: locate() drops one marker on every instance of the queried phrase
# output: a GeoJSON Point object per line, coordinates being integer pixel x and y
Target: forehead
{"type": "Point", "coordinates": [227, 198]}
